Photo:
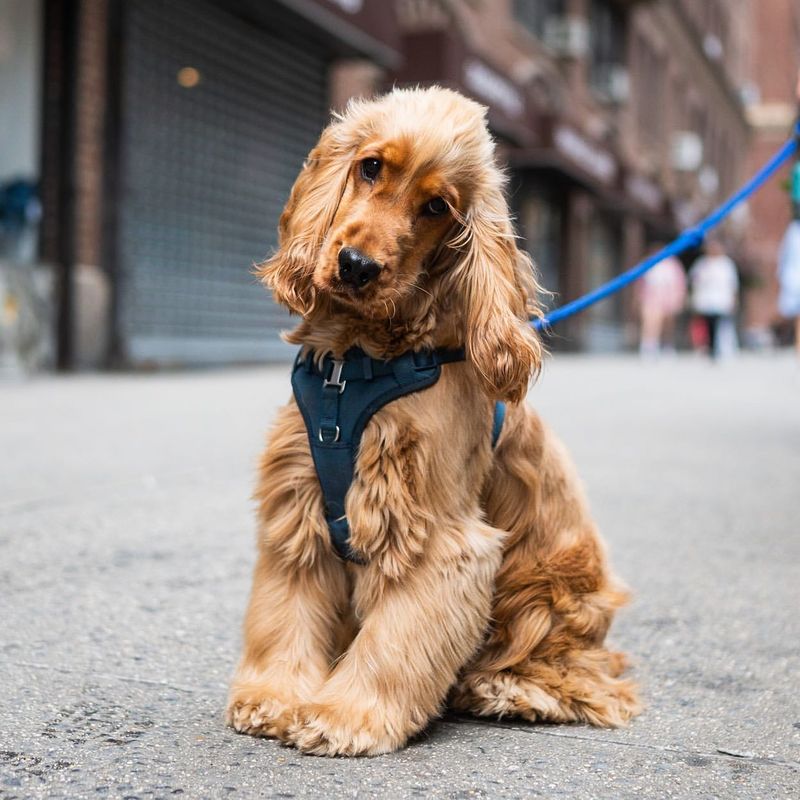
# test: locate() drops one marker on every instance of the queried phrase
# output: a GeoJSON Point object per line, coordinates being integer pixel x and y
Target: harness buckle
{"type": "Point", "coordinates": [336, 376]}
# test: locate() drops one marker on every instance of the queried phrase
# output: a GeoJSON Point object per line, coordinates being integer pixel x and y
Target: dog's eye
{"type": "Point", "coordinates": [435, 207]}
{"type": "Point", "coordinates": [370, 167]}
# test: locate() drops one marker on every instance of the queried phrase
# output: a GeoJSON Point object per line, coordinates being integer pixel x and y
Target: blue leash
{"type": "Point", "coordinates": [691, 237]}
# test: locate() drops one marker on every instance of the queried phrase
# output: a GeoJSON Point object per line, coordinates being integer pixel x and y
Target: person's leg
{"type": "Point", "coordinates": [712, 320]}
{"type": "Point", "coordinates": [650, 329]}
{"type": "Point", "coordinates": [668, 335]}
{"type": "Point", "coordinates": [797, 335]}
{"type": "Point", "coordinates": [658, 331]}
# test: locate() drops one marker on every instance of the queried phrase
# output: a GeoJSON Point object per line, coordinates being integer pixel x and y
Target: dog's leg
{"type": "Point", "coordinates": [296, 623]}
{"type": "Point", "coordinates": [416, 635]}
{"type": "Point", "coordinates": [544, 658]}
{"type": "Point", "coordinates": [291, 634]}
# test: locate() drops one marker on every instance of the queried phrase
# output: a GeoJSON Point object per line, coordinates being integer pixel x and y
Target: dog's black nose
{"type": "Point", "coordinates": [355, 268]}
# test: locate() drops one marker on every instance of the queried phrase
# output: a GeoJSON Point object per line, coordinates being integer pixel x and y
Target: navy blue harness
{"type": "Point", "coordinates": [337, 397]}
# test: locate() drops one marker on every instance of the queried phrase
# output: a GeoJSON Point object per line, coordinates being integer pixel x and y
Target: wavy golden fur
{"type": "Point", "coordinates": [486, 582]}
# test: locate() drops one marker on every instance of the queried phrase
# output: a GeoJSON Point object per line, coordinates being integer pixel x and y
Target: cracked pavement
{"type": "Point", "coordinates": [126, 544]}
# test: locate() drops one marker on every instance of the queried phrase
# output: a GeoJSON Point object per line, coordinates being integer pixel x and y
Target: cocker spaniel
{"type": "Point", "coordinates": [478, 578]}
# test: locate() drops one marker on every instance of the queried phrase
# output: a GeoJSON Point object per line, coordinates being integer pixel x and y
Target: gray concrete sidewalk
{"type": "Point", "coordinates": [126, 543]}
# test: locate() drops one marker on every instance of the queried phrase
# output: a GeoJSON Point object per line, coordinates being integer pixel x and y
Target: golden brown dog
{"type": "Point", "coordinates": [485, 579]}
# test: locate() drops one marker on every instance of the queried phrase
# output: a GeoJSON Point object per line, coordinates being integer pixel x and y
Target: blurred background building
{"type": "Point", "coordinates": [147, 148]}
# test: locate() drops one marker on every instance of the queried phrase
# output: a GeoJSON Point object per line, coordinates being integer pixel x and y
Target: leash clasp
{"type": "Point", "coordinates": [336, 376]}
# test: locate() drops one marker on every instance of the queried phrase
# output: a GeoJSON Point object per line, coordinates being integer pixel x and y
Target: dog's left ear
{"type": "Point", "coordinates": [307, 218]}
{"type": "Point", "coordinates": [498, 289]}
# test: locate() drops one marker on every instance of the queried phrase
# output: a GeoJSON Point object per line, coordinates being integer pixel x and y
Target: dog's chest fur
{"type": "Point", "coordinates": [420, 467]}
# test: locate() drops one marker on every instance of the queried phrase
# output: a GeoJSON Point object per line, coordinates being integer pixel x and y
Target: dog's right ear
{"type": "Point", "coordinates": [498, 288]}
{"type": "Point", "coordinates": [306, 219]}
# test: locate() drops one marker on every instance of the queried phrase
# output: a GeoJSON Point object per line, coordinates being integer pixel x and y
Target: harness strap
{"type": "Point", "coordinates": [356, 366]}
{"type": "Point", "coordinates": [337, 398]}
{"type": "Point", "coordinates": [497, 423]}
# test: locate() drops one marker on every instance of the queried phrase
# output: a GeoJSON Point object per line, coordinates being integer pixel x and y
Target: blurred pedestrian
{"type": "Point", "coordinates": [789, 278]}
{"type": "Point", "coordinates": [714, 291]}
{"type": "Point", "coordinates": [662, 293]}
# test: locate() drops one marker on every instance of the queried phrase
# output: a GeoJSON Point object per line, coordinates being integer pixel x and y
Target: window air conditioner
{"type": "Point", "coordinates": [612, 83]}
{"type": "Point", "coordinates": [687, 151]}
{"type": "Point", "coordinates": [567, 37]}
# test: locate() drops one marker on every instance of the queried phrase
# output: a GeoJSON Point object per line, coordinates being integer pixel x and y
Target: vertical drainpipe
{"type": "Point", "coordinates": [66, 246]}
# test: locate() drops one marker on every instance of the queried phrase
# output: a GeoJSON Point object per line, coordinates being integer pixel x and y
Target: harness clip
{"type": "Point", "coordinates": [336, 376]}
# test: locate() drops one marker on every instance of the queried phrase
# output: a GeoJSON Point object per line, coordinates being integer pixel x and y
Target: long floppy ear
{"type": "Point", "coordinates": [498, 288]}
{"type": "Point", "coordinates": [306, 219]}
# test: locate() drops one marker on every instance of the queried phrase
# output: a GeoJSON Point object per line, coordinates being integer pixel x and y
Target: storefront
{"type": "Point", "coordinates": [584, 219]}
{"type": "Point", "coordinates": [219, 105]}
{"type": "Point", "coordinates": [565, 204]}
{"type": "Point", "coordinates": [217, 118]}
{"type": "Point", "coordinates": [539, 211]}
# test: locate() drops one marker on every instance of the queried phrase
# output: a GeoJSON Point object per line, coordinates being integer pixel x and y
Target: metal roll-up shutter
{"type": "Point", "coordinates": [206, 171]}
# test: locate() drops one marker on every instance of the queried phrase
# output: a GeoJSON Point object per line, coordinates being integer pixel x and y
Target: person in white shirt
{"type": "Point", "coordinates": [714, 290]}
{"type": "Point", "coordinates": [789, 278]}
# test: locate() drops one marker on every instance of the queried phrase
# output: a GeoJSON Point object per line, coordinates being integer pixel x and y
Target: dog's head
{"type": "Point", "coordinates": [399, 216]}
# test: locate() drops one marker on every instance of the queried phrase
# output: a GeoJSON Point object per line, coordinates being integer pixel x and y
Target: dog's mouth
{"type": "Point", "coordinates": [348, 294]}
{"type": "Point", "coordinates": [339, 287]}
{"type": "Point", "coordinates": [369, 302]}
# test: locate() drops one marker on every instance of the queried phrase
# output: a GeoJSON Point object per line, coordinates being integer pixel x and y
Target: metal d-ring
{"type": "Point", "coordinates": [335, 438]}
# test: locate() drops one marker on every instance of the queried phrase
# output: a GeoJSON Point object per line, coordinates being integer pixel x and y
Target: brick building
{"type": "Point", "coordinates": [772, 110]}
{"type": "Point", "coordinates": [171, 131]}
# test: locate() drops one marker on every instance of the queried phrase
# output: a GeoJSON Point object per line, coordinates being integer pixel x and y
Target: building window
{"type": "Point", "coordinates": [533, 14]}
{"type": "Point", "coordinates": [678, 110]}
{"type": "Point", "coordinates": [608, 39]}
{"type": "Point", "coordinates": [699, 122]}
{"type": "Point", "coordinates": [540, 222]}
{"type": "Point", "coordinates": [651, 74]}
{"type": "Point", "coordinates": [725, 165]}
{"type": "Point", "coordinates": [604, 257]}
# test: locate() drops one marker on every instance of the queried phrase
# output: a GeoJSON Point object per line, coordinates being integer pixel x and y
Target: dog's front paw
{"type": "Point", "coordinates": [327, 731]}
{"type": "Point", "coordinates": [259, 716]}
